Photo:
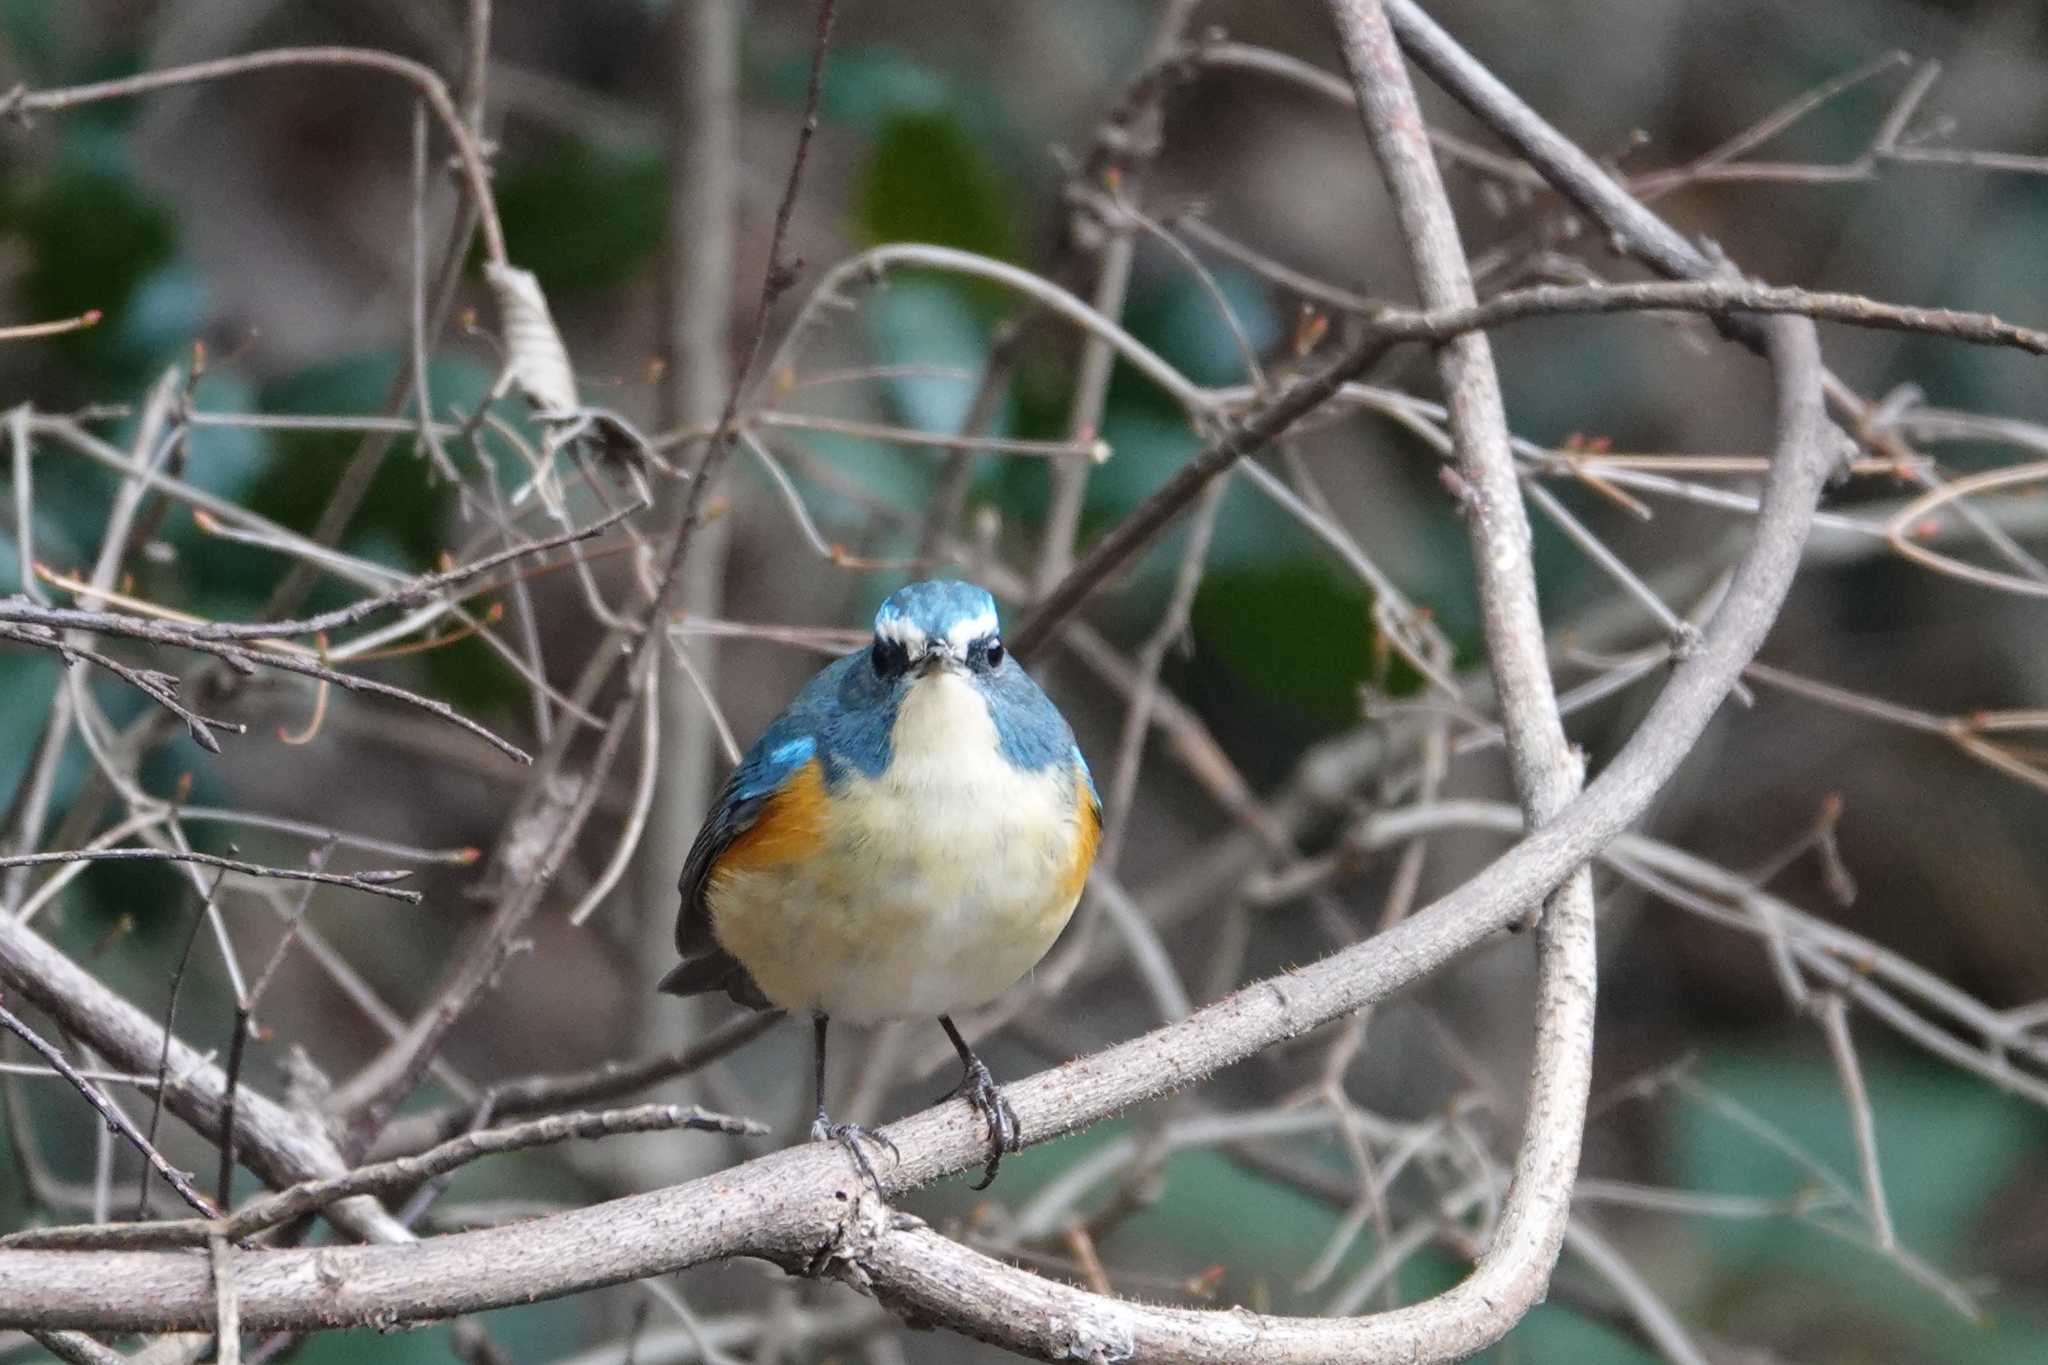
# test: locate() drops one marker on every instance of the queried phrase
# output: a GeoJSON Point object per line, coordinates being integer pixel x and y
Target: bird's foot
{"type": "Point", "coordinates": [850, 1136]}
{"type": "Point", "coordinates": [980, 1090]}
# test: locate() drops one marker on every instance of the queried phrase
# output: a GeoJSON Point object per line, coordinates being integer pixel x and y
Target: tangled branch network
{"type": "Point", "coordinates": [365, 1158]}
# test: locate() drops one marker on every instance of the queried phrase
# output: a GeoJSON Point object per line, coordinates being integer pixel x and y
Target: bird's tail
{"type": "Point", "coordinates": [716, 970]}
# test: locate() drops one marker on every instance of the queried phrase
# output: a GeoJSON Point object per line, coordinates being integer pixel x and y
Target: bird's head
{"type": "Point", "coordinates": [938, 624]}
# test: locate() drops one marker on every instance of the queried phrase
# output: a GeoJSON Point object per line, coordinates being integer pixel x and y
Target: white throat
{"type": "Point", "coordinates": [943, 721]}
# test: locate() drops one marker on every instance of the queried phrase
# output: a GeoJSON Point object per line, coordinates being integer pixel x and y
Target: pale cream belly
{"type": "Point", "coordinates": [933, 890]}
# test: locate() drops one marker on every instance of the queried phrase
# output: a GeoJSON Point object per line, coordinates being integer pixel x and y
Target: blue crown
{"type": "Point", "coordinates": [934, 607]}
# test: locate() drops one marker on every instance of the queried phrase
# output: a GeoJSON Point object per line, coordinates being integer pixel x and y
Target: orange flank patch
{"type": "Point", "coordinates": [1085, 842]}
{"type": "Point", "coordinates": [791, 826]}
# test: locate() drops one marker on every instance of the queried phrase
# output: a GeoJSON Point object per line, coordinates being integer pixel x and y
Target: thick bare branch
{"type": "Point", "coordinates": [386, 1177]}
{"type": "Point", "coordinates": [1034, 1283]}
{"type": "Point", "coordinates": [1513, 1272]}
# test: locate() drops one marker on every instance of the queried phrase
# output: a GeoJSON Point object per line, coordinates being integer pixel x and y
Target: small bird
{"type": "Point", "coordinates": [906, 840]}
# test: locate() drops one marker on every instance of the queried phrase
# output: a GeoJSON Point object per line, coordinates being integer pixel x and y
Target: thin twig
{"type": "Point", "coordinates": [416, 314]}
{"type": "Point", "coordinates": [1705, 296]}
{"type": "Point", "coordinates": [108, 1110]}
{"type": "Point", "coordinates": [1833, 1014]}
{"type": "Point", "coordinates": [160, 688]}
{"type": "Point", "coordinates": [611, 1081]}
{"type": "Point", "coordinates": [1094, 449]}
{"type": "Point", "coordinates": [238, 1042]}
{"type": "Point", "coordinates": [227, 1312]}
{"type": "Point", "coordinates": [21, 102]}
{"type": "Point", "coordinates": [163, 1061]}
{"type": "Point", "coordinates": [373, 1094]}
{"type": "Point", "coordinates": [1123, 147]}
{"type": "Point", "coordinates": [641, 803]}
{"type": "Point", "coordinates": [1652, 1315]}
{"type": "Point", "coordinates": [376, 883]}
{"type": "Point", "coordinates": [242, 660]}
{"type": "Point", "coordinates": [422, 589]}
{"type": "Point", "coordinates": [1138, 530]}
{"type": "Point", "coordinates": [28, 331]}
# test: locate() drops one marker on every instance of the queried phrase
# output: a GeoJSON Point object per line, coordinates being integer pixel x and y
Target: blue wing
{"type": "Point", "coordinates": [791, 741]}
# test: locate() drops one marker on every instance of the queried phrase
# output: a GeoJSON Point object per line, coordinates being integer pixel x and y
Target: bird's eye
{"type": "Point", "coordinates": [995, 653]}
{"type": "Point", "coordinates": [890, 658]}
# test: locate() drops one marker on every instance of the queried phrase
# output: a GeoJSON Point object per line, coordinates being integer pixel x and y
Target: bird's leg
{"type": "Point", "coordinates": [847, 1135]}
{"type": "Point", "coordinates": [981, 1091]}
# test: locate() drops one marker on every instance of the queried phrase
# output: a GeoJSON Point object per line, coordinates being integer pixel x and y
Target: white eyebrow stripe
{"type": "Point", "coordinates": [965, 632]}
{"type": "Point", "coordinates": [903, 631]}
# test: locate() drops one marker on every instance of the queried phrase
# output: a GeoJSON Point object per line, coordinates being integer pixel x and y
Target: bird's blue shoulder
{"type": "Point", "coordinates": [1032, 732]}
{"type": "Point", "coordinates": [789, 742]}
{"type": "Point", "coordinates": [842, 718]}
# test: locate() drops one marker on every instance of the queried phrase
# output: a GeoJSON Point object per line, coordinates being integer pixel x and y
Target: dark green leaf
{"type": "Point", "coordinates": [582, 219]}
{"type": "Point", "coordinates": [927, 181]}
{"type": "Point", "coordinates": [92, 237]}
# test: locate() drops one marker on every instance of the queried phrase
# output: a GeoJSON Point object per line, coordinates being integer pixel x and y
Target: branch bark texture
{"type": "Point", "coordinates": [1513, 1273]}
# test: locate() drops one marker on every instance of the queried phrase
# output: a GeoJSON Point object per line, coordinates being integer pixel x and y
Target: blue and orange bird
{"type": "Point", "coordinates": [905, 841]}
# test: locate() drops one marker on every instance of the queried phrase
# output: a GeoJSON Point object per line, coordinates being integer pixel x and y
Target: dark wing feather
{"type": "Point", "coordinates": [707, 967]}
{"type": "Point", "coordinates": [730, 817]}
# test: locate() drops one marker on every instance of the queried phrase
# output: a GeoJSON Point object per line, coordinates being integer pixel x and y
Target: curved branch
{"type": "Point", "coordinates": [22, 102]}
{"type": "Point", "coordinates": [1513, 1273]}
{"type": "Point", "coordinates": [871, 265]}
